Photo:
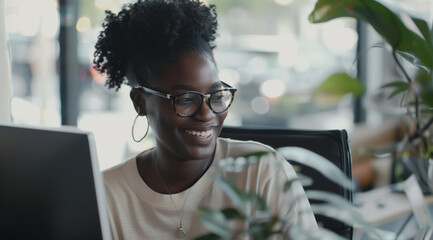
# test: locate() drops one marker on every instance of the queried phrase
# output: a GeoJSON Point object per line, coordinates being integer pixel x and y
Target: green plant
{"type": "Point", "coordinates": [259, 222]}
{"type": "Point", "coordinates": [409, 48]}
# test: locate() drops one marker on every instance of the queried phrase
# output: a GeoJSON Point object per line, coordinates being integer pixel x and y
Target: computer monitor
{"type": "Point", "coordinates": [50, 184]}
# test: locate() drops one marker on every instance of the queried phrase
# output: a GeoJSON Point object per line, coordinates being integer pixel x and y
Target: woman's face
{"type": "Point", "coordinates": [179, 135]}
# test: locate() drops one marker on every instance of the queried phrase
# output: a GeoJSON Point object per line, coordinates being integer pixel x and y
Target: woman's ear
{"type": "Point", "coordinates": [137, 97]}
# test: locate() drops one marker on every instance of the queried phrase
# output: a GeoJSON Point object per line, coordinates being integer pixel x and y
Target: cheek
{"type": "Point", "coordinates": [221, 117]}
{"type": "Point", "coordinates": [160, 114]}
{"type": "Point", "coordinates": [157, 106]}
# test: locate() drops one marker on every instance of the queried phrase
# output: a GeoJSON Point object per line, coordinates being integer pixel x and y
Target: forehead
{"type": "Point", "coordinates": [192, 69]}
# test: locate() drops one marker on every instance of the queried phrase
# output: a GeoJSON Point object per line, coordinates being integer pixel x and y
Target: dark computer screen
{"type": "Point", "coordinates": [47, 187]}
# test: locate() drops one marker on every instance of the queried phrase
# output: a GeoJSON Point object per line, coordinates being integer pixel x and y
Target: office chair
{"type": "Point", "coordinates": [331, 144]}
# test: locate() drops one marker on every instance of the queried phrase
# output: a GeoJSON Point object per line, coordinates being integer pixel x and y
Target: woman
{"type": "Point", "coordinates": [164, 51]}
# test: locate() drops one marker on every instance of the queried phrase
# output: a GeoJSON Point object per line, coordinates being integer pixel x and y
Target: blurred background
{"type": "Point", "coordinates": [266, 48]}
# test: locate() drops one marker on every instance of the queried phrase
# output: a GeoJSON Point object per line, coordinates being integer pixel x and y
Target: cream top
{"type": "Point", "coordinates": [138, 212]}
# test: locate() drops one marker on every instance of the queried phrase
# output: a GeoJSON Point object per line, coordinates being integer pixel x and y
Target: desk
{"type": "Point", "coordinates": [387, 208]}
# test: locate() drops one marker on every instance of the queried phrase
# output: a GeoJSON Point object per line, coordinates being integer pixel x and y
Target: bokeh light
{"type": "Point", "coordinates": [260, 105]}
{"type": "Point", "coordinates": [229, 76]}
{"type": "Point", "coordinates": [103, 4]}
{"type": "Point", "coordinates": [339, 38]}
{"type": "Point", "coordinates": [257, 65]}
{"type": "Point", "coordinates": [272, 88]}
{"type": "Point", "coordinates": [83, 24]}
{"type": "Point", "coordinates": [284, 2]}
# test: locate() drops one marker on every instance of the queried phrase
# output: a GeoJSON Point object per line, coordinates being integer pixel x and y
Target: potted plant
{"type": "Point", "coordinates": [412, 51]}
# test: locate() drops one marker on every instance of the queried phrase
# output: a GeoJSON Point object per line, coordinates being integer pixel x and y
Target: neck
{"type": "Point", "coordinates": [178, 174]}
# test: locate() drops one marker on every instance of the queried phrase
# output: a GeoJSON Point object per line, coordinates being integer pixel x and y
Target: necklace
{"type": "Point", "coordinates": [181, 232]}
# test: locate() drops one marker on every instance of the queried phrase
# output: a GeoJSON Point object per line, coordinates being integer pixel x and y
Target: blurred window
{"type": "Point", "coordinates": [276, 58]}
{"type": "Point", "coordinates": [32, 29]}
{"type": "Point", "coordinates": [266, 48]}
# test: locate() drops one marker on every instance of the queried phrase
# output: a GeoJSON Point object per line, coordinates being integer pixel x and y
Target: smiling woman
{"type": "Point", "coordinates": [163, 49]}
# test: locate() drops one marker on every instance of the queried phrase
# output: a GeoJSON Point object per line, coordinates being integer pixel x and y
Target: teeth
{"type": "Point", "coordinates": [202, 134]}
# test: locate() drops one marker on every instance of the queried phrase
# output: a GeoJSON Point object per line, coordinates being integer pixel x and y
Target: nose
{"type": "Point", "coordinates": [205, 113]}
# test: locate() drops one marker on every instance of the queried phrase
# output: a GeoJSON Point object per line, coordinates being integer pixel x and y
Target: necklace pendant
{"type": "Point", "coordinates": [181, 232]}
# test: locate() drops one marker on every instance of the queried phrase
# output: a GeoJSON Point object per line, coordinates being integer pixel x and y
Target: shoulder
{"type": "Point", "coordinates": [116, 172]}
{"type": "Point", "coordinates": [232, 148]}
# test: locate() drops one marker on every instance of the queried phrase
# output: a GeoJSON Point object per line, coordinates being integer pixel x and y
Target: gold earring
{"type": "Point", "coordinates": [133, 126]}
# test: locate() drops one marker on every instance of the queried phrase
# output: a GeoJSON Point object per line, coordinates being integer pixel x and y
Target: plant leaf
{"type": "Point", "coordinates": [315, 161]}
{"type": "Point", "coordinates": [262, 230]}
{"type": "Point", "coordinates": [398, 171]}
{"type": "Point", "coordinates": [335, 207]}
{"type": "Point", "coordinates": [426, 94]}
{"type": "Point", "coordinates": [340, 84]}
{"type": "Point", "coordinates": [414, 59]}
{"type": "Point", "coordinates": [427, 111]}
{"type": "Point", "coordinates": [232, 191]}
{"type": "Point", "coordinates": [304, 179]}
{"type": "Point", "coordinates": [214, 221]}
{"type": "Point", "coordinates": [398, 84]}
{"type": "Point", "coordinates": [403, 41]}
{"type": "Point", "coordinates": [341, 214]}
{"type": "Point", "coordinates": [429, 152]}
{"type": "Point", "coordinates": [232, 213]}
{"type": "Point", "coordinates": [423, 28]}
{"type": "Point", "coordinates": [210, 236]}
{"type": "Point", "coordinates": [339, 208]}
{"type": "Point", "coordinates": [297, 232]}
{"type": "Point", "coordinates": [379, 17]}
{"type": "Point", "coordinates": [395, 92]}
{"type": "Point", "coordinates": [258, 201]}
{"type": "Point", "coordinates": [399, 87]}
{"type": "Point", "coordinates": [424, 83]}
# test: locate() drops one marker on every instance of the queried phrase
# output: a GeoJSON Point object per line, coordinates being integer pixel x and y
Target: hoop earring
{"type": "Point", "coordinates": [133, 127]}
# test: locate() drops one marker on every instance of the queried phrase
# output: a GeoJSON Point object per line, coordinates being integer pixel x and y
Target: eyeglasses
{"type": "Point", "coordinates": [186, 104]}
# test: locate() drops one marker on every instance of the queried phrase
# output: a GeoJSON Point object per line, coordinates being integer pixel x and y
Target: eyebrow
{"type": "Point", "coordinates": [191, 88]}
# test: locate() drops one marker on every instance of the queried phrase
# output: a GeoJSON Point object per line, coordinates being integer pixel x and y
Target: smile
{"type": "Point", "coordinates": [201, 134]}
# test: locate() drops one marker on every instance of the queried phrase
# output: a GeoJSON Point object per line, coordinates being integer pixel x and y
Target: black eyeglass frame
{"type": "Point", "coordinates": [172, 97]}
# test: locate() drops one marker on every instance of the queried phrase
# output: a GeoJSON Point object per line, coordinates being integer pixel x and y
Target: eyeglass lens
{"type": "Point", "coordinates": [189, 103]}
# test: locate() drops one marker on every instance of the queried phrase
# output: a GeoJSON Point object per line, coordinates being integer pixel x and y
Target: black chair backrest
{"type": "Point", "coordinates": [331, 144]}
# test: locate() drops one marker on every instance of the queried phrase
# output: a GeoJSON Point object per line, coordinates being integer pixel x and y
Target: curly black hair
{"type": "Point", "coordinates": [134, 43]}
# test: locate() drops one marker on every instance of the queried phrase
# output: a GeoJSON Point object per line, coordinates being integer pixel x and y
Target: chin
{"type": "Point", "coordinates": [198, 153]}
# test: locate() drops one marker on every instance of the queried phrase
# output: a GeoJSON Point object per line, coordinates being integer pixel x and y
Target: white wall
{"type": "Point", "coordinates": [5, 70]}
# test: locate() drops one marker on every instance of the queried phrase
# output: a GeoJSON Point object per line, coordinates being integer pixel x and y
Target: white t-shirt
{"type": "Point", "coordinates": [138, 212]}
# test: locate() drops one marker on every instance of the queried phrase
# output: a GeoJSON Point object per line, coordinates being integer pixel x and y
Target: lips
{"type": "Point", "coordinates": [200, 134]}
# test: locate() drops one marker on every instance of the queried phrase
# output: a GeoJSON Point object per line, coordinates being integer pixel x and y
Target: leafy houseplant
{"type": "Point", "coordinates": [258, 222]}
{"type": "Point", "coordinates": [410, 49]}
